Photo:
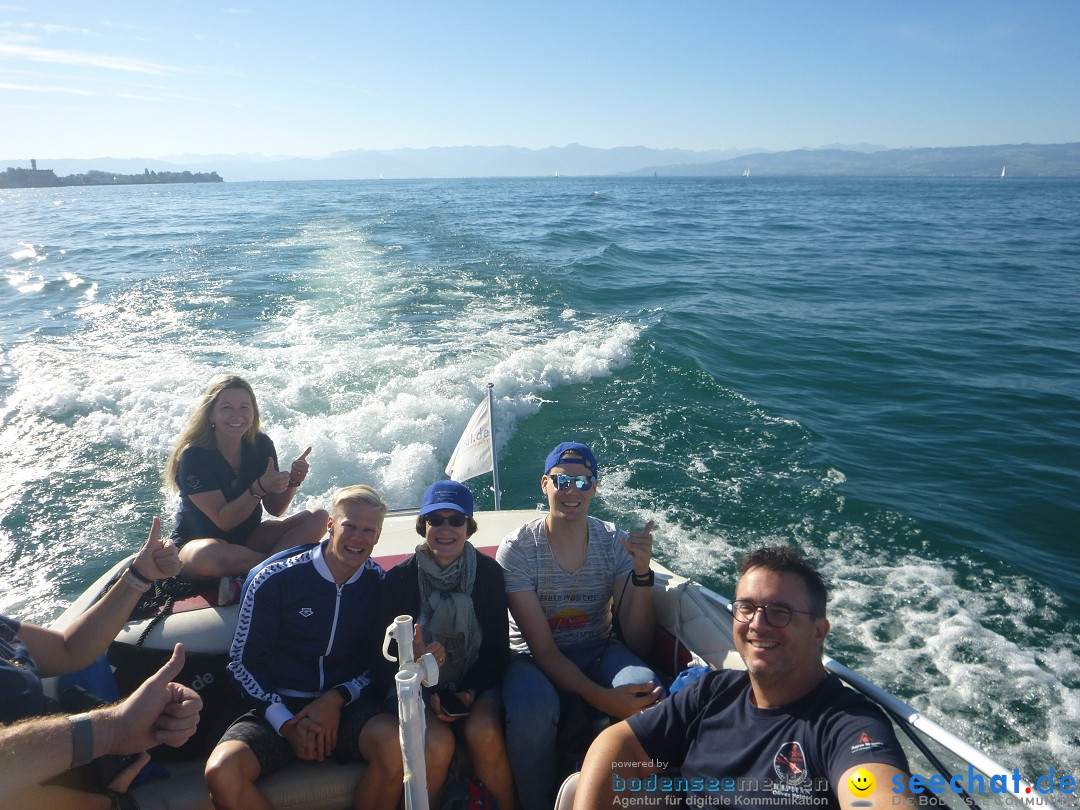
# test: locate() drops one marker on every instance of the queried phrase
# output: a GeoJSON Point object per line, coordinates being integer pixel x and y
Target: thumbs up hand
{"type": "Point", "coordinates": [271, 480]}
{"type": "Point", "coordinates": [299, 469]}
{"type": "Point", "coordinates": [158, 558]}
{"type": "Point", "coordinates": [639, 545]}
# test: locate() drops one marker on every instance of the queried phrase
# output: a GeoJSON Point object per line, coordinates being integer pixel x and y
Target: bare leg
{"type": "Point", "coordinates": [122, 781]}
{"type": "Point", "coordinates": [210, 558]}
{"type": "Point", "coordinates": [487, 745]}
{"type": "Point", "coordinates": [272, 536]}
{"type": "Point", "coordinates": [438, 751]}
{"type": "Point", "coordinates": [231, 772]}
{"type": "Point", "coordinates": [380, 787]}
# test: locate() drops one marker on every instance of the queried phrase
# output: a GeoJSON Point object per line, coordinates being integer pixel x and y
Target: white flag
{"type": "Point", "coordinates": [472, 456]}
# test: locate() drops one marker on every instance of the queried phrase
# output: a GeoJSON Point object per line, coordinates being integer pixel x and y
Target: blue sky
{"type": "Point", "coordinates": [163, 79]}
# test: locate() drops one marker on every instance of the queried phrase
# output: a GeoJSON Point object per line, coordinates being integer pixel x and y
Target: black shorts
{"type": "Point", "coordinates": [274, 752]}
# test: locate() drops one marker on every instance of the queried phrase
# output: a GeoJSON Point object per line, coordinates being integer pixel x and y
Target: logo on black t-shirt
{"type": "Point", "coordinates": [866, 743]}
{"type": "Point", "coordinates": [790, 764]}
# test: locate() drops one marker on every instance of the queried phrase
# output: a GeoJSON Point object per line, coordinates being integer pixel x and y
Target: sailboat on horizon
{"type": "Point", "coordinates": [1002, 171]}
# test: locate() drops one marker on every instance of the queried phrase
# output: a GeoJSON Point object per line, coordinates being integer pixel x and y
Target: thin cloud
{"type": "Point", "coordinates": [51, 28]}
{"type": "Point", "coordinates": [79, 59]}
{"type": "Point", "coordinates": [29, 81]}
{"type": "Point", "coordinates": [44, 88]}
{"type": "Point", "coordinates": [12, 36]}
{"type": "Point", "coordinates": [137, 97]}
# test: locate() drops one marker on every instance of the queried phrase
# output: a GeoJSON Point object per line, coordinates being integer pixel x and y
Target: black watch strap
{"type": "Point", "coordinates": [643, 580]}
{"type": "Point", "coordinates": [343, 690]}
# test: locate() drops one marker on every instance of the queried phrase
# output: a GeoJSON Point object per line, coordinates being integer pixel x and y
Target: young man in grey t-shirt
{"type": "Point", "coordinates": [562, 572]}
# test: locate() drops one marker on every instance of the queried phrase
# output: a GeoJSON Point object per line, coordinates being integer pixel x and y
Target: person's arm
{"type": "Point", "coordinates": [61, 652]}
{"type": "Point", "coordinates": [637, 612]}
{"type": "Point", "coordinates": [255, 652]}
{"type": "Point", "coordinates": [877, 792]}
{"type": "Point", "coordinates": [280, 491]}
{"type": "Point", "coordinates": [158, 712]}
{"type": "Point", "coordinates": [198, 478]}
{"type": "Point", "coordinates": [227, 515]}
{"type": "Point", "coordinates": [620, 702]}
{"type": "Point", "coordinates": [615, 752]}
{"type": "Point", "coordinates": [399, 595]}
{"type": "Point", "coordinates": [266, 489]}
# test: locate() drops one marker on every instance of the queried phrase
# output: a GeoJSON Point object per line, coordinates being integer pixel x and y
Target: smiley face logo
{"type": "Point", "coordinates": [862, 783]}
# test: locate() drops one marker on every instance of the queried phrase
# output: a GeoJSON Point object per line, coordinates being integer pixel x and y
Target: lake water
{"type": "Point", "coordinates": [883, 372]}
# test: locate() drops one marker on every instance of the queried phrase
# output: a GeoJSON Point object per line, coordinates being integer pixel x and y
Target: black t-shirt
{"type": "Point", "coordinates": [734, 754]}
{"type": "Point", "coordinates": [204, 469]}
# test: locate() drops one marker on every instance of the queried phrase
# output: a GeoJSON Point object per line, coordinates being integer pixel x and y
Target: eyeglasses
{"type": "Point", "coordinates": [775, 615]}
{"type": "Point", "coordinates": [435, 521]}
{"type": "Point", "coordinates": [583, 482]}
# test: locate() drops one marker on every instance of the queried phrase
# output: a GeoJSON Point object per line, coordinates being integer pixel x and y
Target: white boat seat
{"type": "Point", "coordinates": [700, 625]}
{"type": "Point", "coordinates": [301, 786]}
{"type": "Point", "coordinates": [567, 791]}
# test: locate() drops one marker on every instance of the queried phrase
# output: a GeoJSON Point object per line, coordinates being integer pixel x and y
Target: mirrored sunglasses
{"type": "Point", "coordinates": [583, 482]}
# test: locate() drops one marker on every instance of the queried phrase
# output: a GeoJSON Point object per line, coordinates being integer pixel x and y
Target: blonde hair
{"type": "Point", "coordinates": [198, 432]}
{"type": "Point", "coordinates": [362, 495]}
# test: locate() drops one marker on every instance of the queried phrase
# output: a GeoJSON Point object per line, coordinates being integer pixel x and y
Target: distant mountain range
{"type": "Point", "coordinates": [1024, 160]}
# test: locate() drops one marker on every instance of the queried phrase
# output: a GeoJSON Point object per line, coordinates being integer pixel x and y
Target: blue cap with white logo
{"type": "Point", "coordinates": [447, 495]}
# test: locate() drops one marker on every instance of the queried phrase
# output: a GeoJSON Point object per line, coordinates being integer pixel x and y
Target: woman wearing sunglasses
{"type": "Point", "coordinates": [563, 572]}
{"type": "Point", "coordinates": [458, 598]}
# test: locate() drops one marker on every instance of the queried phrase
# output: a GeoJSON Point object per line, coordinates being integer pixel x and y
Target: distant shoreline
{"type": "Point", "coordinates": [46, 178]}
{"type": "Point", "coordinates": [1021, 161]}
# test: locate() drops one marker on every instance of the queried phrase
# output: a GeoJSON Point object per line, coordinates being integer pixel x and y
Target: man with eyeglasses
{"type": "Point", "coordinates": [783, 733]}
{"type": "Point", "coordinates": [563, 571]}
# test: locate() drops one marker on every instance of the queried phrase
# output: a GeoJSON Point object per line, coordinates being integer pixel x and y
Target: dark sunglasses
{"type": "Point", "coordinates": [435, 521]}
{"type": "Point", "coordinates": [583, 482]}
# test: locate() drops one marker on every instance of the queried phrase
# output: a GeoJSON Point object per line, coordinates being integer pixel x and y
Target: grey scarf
{"type": "Point", "coordinates": [446, 599]}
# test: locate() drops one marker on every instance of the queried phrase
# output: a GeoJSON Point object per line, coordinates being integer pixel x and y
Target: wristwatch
{"type": "Point", "coordinates": [643, 580]}
{"type": "Point", "coordinates": [343, 690]}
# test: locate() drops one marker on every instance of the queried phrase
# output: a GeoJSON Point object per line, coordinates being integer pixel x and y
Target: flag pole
{"type": "Point", "coordinates": [494, 453]}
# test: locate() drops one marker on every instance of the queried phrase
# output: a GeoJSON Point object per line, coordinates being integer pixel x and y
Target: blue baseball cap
{"type": "Point", "coordinates": [447, 495]}
{"type": "Point", "coordinates": [584, 456]}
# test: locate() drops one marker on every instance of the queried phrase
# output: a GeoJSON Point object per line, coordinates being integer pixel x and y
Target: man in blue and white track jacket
{"type": "Point", "coordinates": [301, 634]}
{"type": "Point", "coordinates": [307, 654]}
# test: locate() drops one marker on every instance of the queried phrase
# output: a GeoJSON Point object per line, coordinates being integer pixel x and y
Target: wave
{"type": "Point", "coordinates": [743, 382]}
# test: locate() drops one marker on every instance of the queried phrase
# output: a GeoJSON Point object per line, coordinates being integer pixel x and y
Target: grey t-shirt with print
{"type": "Point", "coordinates": [577, 604]}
